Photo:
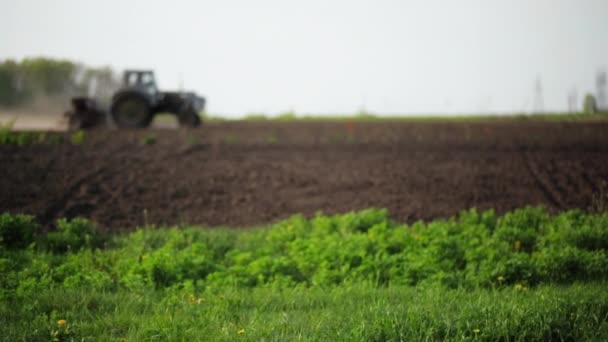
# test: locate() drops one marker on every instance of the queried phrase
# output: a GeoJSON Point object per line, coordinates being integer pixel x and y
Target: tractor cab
{"type": "Point", "coordinates": [142, 80]}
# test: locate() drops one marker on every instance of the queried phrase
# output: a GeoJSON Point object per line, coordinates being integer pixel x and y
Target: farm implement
{"type": "Point", "coordinates": [135, 104]}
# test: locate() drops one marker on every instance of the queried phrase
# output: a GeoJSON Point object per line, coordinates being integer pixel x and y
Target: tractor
{"type": "Point", "coordinates": [135, 104]}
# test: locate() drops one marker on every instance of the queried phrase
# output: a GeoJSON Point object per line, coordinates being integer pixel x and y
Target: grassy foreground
{"type": "Point", "coordinates": [351, 312]}
{"type": "Point", "coordinates": [525, 275]}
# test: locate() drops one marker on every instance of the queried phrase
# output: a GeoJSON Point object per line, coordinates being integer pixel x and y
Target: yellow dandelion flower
{"type": "Point", "coordinates": [241, 332]}
{"type": "Point", "coordinates": [501, 279]}
{"type": "Point", "coordinates": [476, 331]}
{"type": "Point", "coordinates": [62, 322]}
{"type": "Point", "coordinates": [519, 287]}
{"type": "Point", "coordinates": [517, 244]}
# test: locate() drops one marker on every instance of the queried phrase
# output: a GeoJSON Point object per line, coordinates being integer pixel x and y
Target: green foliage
{"type": "Point", "coordinates": [149, 139]}
{"type": "Point", "coordinates": [77, 137]}
{"type": "Point", "coordinates": [256, 117]}
{"type": "Point", "coordinates": [6, 134]}
{"type": "Point", "coordinates": [9, 93]}
{"type": "Point", "coordinates": [17, 231]}
{"type": "Point", "coordinates": [526, 247]}
{"type": "Point", "coordinates": [24, 138]}
{"type": "Point", "coordinates": [23, 81]}
{"type": "Point", "coordinates": [72, 235]}
{"type": "Point", "coordinates": [589, 104]}
{"type": "Point", "coordinates": [287, 116]}
{"type": "Point", "coordinates": [357, 276]}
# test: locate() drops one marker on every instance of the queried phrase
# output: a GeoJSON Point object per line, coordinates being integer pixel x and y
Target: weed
{"type": "Point", "coordinates": [149, 139]}
{"type": "Point", "coordinates": [6, 133]}
{"type": "Point", "coordinates": [17, 231]}
{"type": "Point", "coordinates": [24, 138]}
{"type": "Point", "coordinates": [77, 137]}
{"type": "Point", "coordinates": [524, 246]}
{"type": "Point", "coordinates": [72, 235]}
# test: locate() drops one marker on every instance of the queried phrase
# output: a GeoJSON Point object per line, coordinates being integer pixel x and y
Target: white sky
{"type": "Point", "coordinates": [331, 56]}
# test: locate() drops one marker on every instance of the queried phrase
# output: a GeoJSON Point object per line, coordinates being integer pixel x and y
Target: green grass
{"type": "Point", "coordinates": [526, 275]}
{"type": "Point", "coordinates": [149, 139]}
{"type": "Point", "coordinates": [24, 138]}
{"type": "Point", "coordinates": [8, 136]}
{"type": "Point", "coordinates": [348, 313]}
{"type": "Point", "coordinates": [77, 138]}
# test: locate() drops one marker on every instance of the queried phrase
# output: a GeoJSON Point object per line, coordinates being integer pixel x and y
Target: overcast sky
{"type": "Point", "coordinates": [331, 56]}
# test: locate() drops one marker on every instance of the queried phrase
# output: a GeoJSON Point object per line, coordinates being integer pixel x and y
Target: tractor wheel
{"type": "Point", "coordinates": [189, 119]}
{"type": "Point", "coordinates": [131, 110]}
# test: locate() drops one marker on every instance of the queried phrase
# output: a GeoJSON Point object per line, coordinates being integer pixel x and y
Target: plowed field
{"type": "Point", "coordinates": [250, 173]}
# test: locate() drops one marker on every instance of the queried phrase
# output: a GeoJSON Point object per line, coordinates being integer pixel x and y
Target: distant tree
{"type": "Point", "coordinates": [21, 82]}
{"type": "Point", "coordinates": [589, 104]}
{"type": "Point", "coordinates": [8, 83]}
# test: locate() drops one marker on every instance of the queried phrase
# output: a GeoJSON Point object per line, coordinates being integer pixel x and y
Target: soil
{"type": "Point", "coordinates": [250, 173]}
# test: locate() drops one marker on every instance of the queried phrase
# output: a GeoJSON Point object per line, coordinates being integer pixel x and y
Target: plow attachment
{"type": "Point", "coordinates": [85, 114]}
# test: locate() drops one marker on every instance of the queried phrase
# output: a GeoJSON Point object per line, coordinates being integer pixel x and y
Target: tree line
{"type": "Point", "coordinates": [21, 82]}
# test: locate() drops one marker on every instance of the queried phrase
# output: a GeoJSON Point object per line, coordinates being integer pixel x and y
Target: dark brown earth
{"type": "Point", "coordinates": [245, 174]}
